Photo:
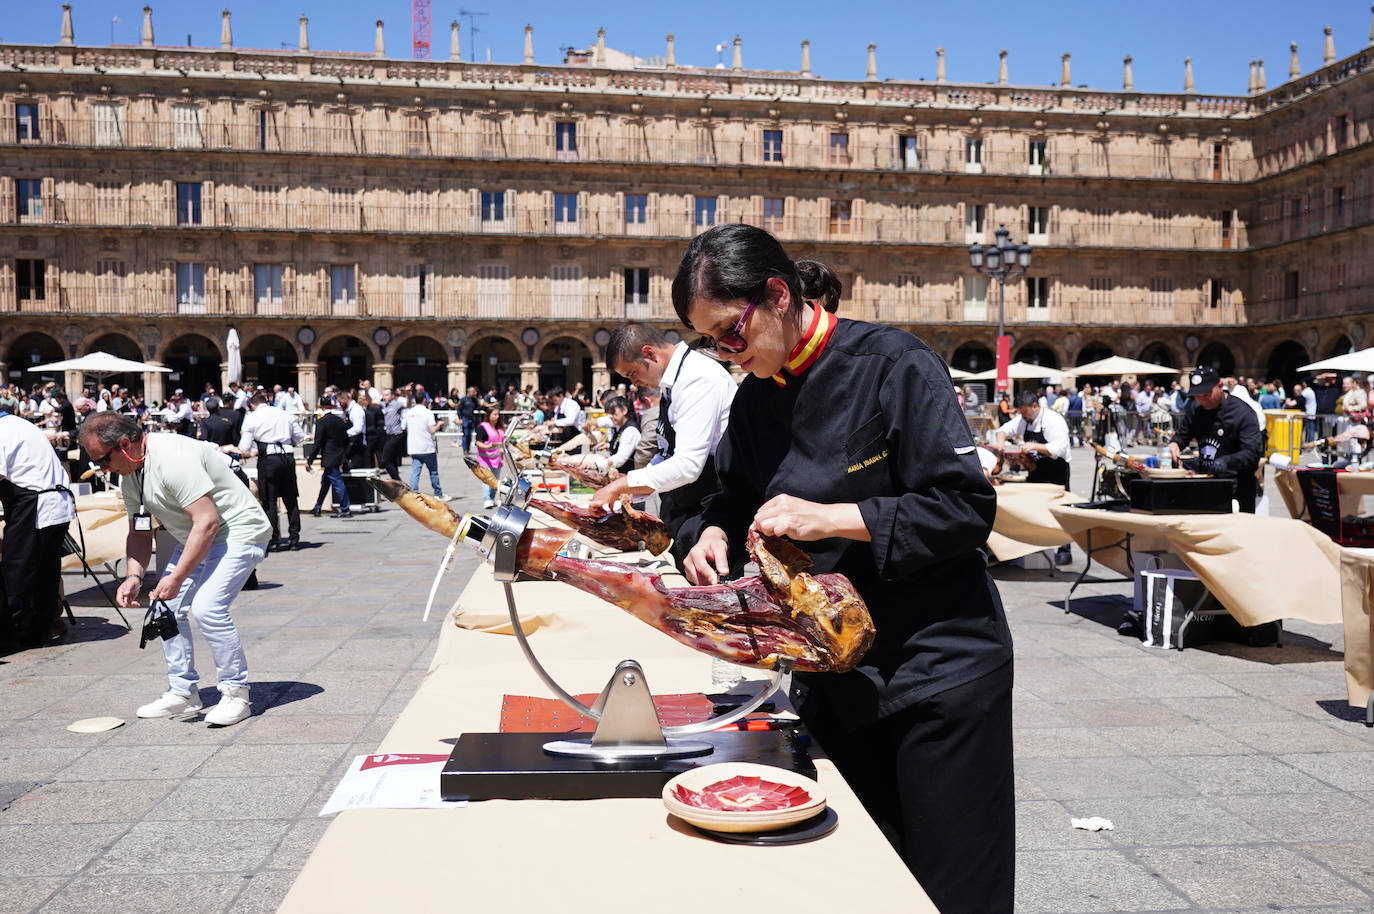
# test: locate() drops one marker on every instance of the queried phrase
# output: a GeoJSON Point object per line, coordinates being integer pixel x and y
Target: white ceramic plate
{"type": "Point", "coordinates": [754, 798]}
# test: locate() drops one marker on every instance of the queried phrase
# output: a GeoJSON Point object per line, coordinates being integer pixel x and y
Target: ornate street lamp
{"type": "Point", "coordinates": [1003, 260]}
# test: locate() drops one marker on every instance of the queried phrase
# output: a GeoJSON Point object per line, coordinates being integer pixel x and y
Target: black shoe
{"type": "Point", "coordinates": [294, 543]}
{"type": "Point", "coordinates": [1063, 557]}
{"type": "Point", "coordinates": [315, 511]}
{"type": "Point", "coordinates": [252, 582]}
{"type": "Point", "coordinates": [273, 545]}
{"type": "Point", "coordinates": [1132, 624]}
{"type": "Point", "coordinates": [344, 514]}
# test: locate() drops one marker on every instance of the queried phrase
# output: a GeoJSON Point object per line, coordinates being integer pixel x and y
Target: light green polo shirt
{"type": "Point", "coordinates": [177, 472]}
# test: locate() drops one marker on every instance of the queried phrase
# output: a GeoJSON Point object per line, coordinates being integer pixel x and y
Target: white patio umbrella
{"type": "Point", "coordinates": [1017, 371]}
{"type": "Point", "coordinates": [958, 374]}
{"type": "Point", "coordinates": [1118, 365]}
{"type": "Point", "coordinates": [235, 364]}
{"type": "Point", "coordinates": [1351, 361]}
{"type": "Point", "coordinates": [100, 365]}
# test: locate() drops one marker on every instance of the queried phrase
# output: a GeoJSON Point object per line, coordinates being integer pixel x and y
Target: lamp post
{"type": "Point", "coordinates": [1002, 260]}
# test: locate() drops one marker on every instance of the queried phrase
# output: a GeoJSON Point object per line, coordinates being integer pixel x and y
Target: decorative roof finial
{"type": "Point", "coordinates": [380, 50]}
{"type": "Point", "coordinates": [1259, 75]}
{"type": "Point", "coordinates": [1188, 74]}
{"type": "Point", "coordinates": [304, 41]}
{"type": "Point", "coordinates": [68, 36]}
{"type": "Point", "coordinates": [939, 65]}
{"type": "Point", "coordinates": [672, 55]}
{"type": "Point", "coordinates": [1127, 77]}
{"type": "Point", "coordinates": [529, 44]}
{"type": "Point", "coordinates": [806, 58]}
{"type": "Point", "coordinates": [600, 47]}
{"type": "Point", "coordinates": [1065, 80]}
{"type": "Point", "coordinates": [147, 38]}
{"type": "Point", "coordinates": [737, 63]}
{"type": "Point", "coordinates": [226, 36]}
{"type": "Point", "coordinates": [871, 73]}
{"type": "Point", "coordinates": [1328, 48]}
{"type": "Point", "coordinates": [455, 52]}
{"type": "Point", "coordinates": [1250, 86]}
{"type": "Point", "coordinates": [1002, 67]}
{"type": "Point", "coordinates": [1294, 70]}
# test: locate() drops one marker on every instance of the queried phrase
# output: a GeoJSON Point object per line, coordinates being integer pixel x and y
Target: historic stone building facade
{"type": "Point", "coordinates": [458, 222]}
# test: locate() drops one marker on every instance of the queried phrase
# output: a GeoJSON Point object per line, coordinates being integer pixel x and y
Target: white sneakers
{"type": "Point", "coordinates": [488, 503]}
{"type": "Point", "coordinates": [233, 707]}
{"type": "Point", "coordinates": [171, 705]}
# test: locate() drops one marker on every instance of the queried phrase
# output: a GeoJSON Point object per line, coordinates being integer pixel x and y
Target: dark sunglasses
{"type": "Point", "coordinates": [732, 341]}
{"type": "Point", "coordinates": [103, 461]}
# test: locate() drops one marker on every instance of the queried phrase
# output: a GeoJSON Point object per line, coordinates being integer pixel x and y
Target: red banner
{"type": "Point", "coordinates": [1003, 360]}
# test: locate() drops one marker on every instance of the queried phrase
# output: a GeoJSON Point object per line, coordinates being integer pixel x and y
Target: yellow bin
{"type": "Point", "coordinates": [1285, 432]}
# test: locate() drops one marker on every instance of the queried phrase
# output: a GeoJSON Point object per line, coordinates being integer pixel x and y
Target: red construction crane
{"type": "Point", "coordinates": [419, 29]}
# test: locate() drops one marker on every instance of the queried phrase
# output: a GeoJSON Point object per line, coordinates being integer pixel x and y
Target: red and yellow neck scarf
{"type": "Point", "coordinates": [811, 345]}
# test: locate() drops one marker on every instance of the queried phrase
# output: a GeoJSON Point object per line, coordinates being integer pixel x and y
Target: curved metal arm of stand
{"type": "Point", "coordinates": [704, 726]}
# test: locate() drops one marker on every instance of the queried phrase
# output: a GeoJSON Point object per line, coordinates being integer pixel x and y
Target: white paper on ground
{"type": "Point", "coordinates": [1092, 823]}
{"type": "Point", "coordinates": [391, 781]}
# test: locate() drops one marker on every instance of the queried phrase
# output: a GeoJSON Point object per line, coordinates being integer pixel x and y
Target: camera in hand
{"type": "Point", "coordinates": [158, 622]}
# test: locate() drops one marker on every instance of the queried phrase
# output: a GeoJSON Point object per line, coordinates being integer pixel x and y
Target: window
{"type": "Point", "coordinates": [975, 298]}
{"type": "Point", "coordinates": [908, 296]}
{"type": "Point", "coordinates": [188, 203]}
{"type": "Point", "coordinates": [773, 208]}
{"type": "Point", "coordinates": [1225, 221]}
{"type": "Point", "coordinates": [1099, 158]}
{"type": "Point", "coordinates": [839, 217]}
{"type": "Point", "coordinates": [415, 298]}
{"type": "Point", "coordinates": [839, 149]}
{"type": "Point", "coordinates": [565, 208]}
{"type": "Point", "coordinates": [772, 145]}
{"type": "Point", "coordinates": [565, 290]}
{"type": "Point", "coordinates": [342, 213]}
{"type": "Point", "coordinates": [343, 287]}
{"type": "Point", "coordinates": [1295, 214]}
{"type": "Point", "coordinates": [1037, 297]}
{"type": "Point", "coordinates": [493, 206]}
{"type": "Point", "coordinates": [341, 131]}
{"type": "Point", "coordinates": [105, 116]}
{"type": "Point", "coordinates": [186, 133]}
{"type": "Point", "coordinates": [1100, 295]}
{"type": "Point", "coordinates": [1338, 204]}
{"type": "Point", "coordinates": [1291, 284]}
{"type": "Point", "coordinates": [565, 139]}
{"type": "Point", "coordinates": [636, 209]}
{"type": "Point", "coordinates": [267, 206]}
{"type": "Point", "coordinates": [109, 284]}
{"type": "Point", "coordinates": [26, 123]}
{"type": "Point", "coordinates": [704, 211]}
{"type": "Point", "coordinates": [417, 135]}
{"type": "Point", "coordinates": [1341, 130]}
{"type": "Point", "coordinates": [191, 288]}
{"type": "Point", "coordinates": [29, 280]}
{"type": "Point", "coordinates": [1100, 225]}
{"type": "Point", "coordinates": [1162, 294]}
{"type": "Point", "coordinates": [636, 286]}
{"type": "Point", "coordinates": [1160, 160]}
{"type": "Point", "coordinates": [1038, 224]}
{"type": "Point", "coordinates": [263, 123]}
{"type": "Point", "coordinates": [109, 203]}
{"type": "Point", "coordinates": [911, 156]}
{"type": "Point", "coordinates": [29, 199]}
{"type": "Point", "coordinates": [1220, 293]}
{"type": "Point", "coordinates": [1038, 160]}
{"type": "Point", "coordinates": [1218, 159]}
{"type": "Point", "coordinates": [267, 287]}
{"type": "Point", "coordinates": [1160, 220]}
{"type": "Point", "coordinates": [975, 222]}
{"type": "Point", "coordinates": [493, 290]}
{"type": "Point", "coordinates": [973, 155]}
{"type": "Point", "coordinates": [705, 143]}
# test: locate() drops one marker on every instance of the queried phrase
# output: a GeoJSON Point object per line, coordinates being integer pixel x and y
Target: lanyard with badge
{"type": "Point", "coordinates": [143, 521]}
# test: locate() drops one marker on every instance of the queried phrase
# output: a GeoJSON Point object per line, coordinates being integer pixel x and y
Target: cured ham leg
{"type": "Point", "coordinates": [585, 473]}
{"type": "Point", "coordinates": [624, 529]}
{"type": "Point", "coordinates": [434, 513]}
{"type": "Point", "coordinates": [485, 475]}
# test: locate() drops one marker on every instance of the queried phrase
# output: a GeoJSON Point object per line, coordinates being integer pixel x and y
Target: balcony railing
{"type": "Point", "coordinates": [450, 143]}
{"type": "Point", "coordinates": [1287, 225]}
{"type": "Point", "coordinates": [672, 218]}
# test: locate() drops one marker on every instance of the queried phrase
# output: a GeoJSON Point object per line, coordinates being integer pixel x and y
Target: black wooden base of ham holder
{"type": "Point", "coordinates": [630, 754]}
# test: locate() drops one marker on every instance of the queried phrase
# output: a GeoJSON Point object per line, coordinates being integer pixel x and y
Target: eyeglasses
{"type": "Point", "coordinates": [732, 341]}
{"type": "Point", "coordinates": [103, 461]}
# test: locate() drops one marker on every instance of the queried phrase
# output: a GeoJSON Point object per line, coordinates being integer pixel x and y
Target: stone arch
{"type": "Point", "coordinates": [361, 336]}
{"type": "Point", "coordinates": [195, 360]}
{"type": "Point", "coordinates": [420, 358]}
{"type": "Point", "coordinates": [1093, 351]}
{"type": "Point", "coordinates": [973, 356]}
{"type": "Point", "coordinates": [565, 359]}
{"type": "Point", "coordinates": [1219, 356]}
{"type": "Point", "coordinates": [120, 344]}
{"type": "Point", "coordinates": [1160, 353]}
{"type": "Point", "coordinates": [1037, 353]}
{"type": "Point", "coordinates": [482, 372]}
{"type": "Point", "coordinates": [247, 338]}
{"type": "Point", "coordinates": [270, 359]}
{"type": "Point", "coordinates": [344, 359]}
{"type": "Point", "coordinates": [1284, 360]}
{"type": "Point", "coordinates": [27, 350]}
{"type": "Point", "coordinates": [1340, 346]}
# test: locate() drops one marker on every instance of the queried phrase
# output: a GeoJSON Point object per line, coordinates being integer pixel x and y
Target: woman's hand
{"type": "Point", "coordinates": [804, 521]}
{"type": "Point", "coordinates": [709, 558]}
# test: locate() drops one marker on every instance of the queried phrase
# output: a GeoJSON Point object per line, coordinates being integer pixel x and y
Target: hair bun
{"type": "Point", "coordinates": [819, 283]}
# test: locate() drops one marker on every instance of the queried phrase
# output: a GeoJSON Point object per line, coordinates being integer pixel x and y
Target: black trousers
{"type": "Point", "coordinates": [30, 575]}
{"type": "Point", "coordinates": [392, 449]}
{"type": "Point", "coordinates": [357, 453]}
{"type": "Point", "coordinates": [937, 778]}
{"type": "Point", "coordinates": [277, 479]}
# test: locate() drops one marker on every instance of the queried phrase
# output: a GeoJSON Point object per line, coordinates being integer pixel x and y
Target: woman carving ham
{"type": "Point", "coordinates": [847, 439]}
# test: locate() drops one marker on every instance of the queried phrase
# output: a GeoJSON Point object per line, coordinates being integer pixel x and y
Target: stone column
{"type": "Point", "coordinates": [153, 390]}
{"type": "Point", "coordinates": [5, 376]}
{"type": "Point", "coordinates": [529, 375]}
{"type": "Point", "coordinates": [601, 376]}
{"type": "Point", "coordinates": [458, 376]}
{"type": "Point", "coordinates": [71, 382]}
{"type": "Point", "coordinates": [308, 383]}
{"type": "Point", "coordinates": [382, 373]}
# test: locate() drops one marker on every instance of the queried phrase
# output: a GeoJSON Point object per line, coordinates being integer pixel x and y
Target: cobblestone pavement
{"type": "Point", "coordinates": [1236, 777]}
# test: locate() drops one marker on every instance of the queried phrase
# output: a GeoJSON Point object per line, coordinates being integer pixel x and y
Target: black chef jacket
{"type": "Point", "coordinates": [1228, 440]}
{"type": "Point", "coordinates": [874, 421]}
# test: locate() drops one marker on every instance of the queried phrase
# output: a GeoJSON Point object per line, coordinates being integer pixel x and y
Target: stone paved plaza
{"type": "Point", "coordinates": [1237, 778]}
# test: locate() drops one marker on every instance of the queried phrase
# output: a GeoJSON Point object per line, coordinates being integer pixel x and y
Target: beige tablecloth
{"type": "Point", "coordinates": [1352, 487]}
{"type": "Point", "coordinates": [1024, 523]}
{"type": "Point", "coordinates": [1259, 568]}
{"type": "Point", "coordinates": [572, 856]}
{"type": "Point", "coordinates": [105, 527]}
{"type": "Point", "coordinates": [1357, 590]}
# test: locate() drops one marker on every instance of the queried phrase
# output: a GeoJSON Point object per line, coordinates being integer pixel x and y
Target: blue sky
{"type": "Point", "coordinates": [1221, 37]}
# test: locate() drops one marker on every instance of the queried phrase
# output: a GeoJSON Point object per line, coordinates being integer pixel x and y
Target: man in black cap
{"type": "Point", "coordinates": [1227, 435]}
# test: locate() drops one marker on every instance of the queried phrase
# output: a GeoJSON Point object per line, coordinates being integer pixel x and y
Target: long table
{"type": "Point", "coordinates": [587, 855]}
{"type": "Point", "coordinates": [1351, 486]}
{"type": "Point", "coordinates": [1024, 524]}
{"type": "Point", "coordinates": [1260, 568]}
{"type": "Point", "coordinates": [1357, 594]}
